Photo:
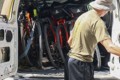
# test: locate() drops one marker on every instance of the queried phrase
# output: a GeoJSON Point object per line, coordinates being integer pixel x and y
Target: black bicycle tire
{"type": "Point", "coordinates": [25, 59]}
{"type": "Point", "coordinates": [25, 54]}
{"type": "Point", "coordinates": [29, 63]}
{"type": "Point", "coordinates": [98, 55]}
{"type": "Point", "coordinates": [40, 53]}
{"type": "Point", "coordinates": [61, 53]}
{"type": "Point", "coordinates": [40, 44]}
{"type": "Point", "coordinates": [47, 45]}
{"type": "Point", "coordinates": [58, 43]}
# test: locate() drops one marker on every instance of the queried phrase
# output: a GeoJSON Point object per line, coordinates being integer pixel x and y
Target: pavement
{"type": "Point", "coordinates": [104, 75]}
{"type": "Point", "coordinates": [53, 74]}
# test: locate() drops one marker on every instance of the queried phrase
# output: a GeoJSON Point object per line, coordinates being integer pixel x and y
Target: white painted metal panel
{"type": "Point", "coordinates": [9, 67]}
{"type": "Point", "coordinates": [114, 62]}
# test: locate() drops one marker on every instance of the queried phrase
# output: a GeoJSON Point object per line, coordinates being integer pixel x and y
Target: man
{"type": "Point", "coordinates": [89, 29]}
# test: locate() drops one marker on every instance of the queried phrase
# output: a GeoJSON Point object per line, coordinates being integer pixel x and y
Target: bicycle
{"type": "Point", "coordinates": [27, 36]}
{"type": "Point", "coordinates": [49, 36]}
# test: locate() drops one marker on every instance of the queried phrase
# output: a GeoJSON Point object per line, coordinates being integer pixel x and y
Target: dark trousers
{"type": "Point", "coordinates": [66, 76]}
{"type": "Point", "coordinates": [78, 70]}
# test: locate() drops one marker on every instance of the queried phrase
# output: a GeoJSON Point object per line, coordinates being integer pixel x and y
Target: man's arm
{"type": "Point", "coordinates": [110, 47]}
{"type": "Point", "coordinates": [69, 40]}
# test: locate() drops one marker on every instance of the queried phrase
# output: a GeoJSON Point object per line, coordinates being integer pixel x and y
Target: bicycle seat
{"type": "Point", "coordinates": [75, 9]}
{"type": "Point", "coordinates": [57, 11]}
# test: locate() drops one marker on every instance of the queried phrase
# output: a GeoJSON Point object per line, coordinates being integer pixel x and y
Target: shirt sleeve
{"type": "Point", "coordinates": [100, 31]}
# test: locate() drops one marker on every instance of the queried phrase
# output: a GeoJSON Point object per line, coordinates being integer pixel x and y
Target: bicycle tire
{"type": "Point", "coordinates": [47, 45]}
{"type": "Point", "coordinates": [22, 45]}
{"type": "Point", "coordinates": [58, 34]}
{"type": "Point", "coordinates": [36, 58]}
{"type": "Point", "coordinates": [26, 49]}
{"type": "Point", "coordinates": [98, 57]}
{"type": "Point", "coordinates": [40, 44]}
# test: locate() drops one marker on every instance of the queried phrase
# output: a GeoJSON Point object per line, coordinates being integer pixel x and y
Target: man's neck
{"type": "Point", "coordinates": [99, 12]}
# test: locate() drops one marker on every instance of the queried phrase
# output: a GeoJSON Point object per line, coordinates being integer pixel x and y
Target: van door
{"type": "Point", "coordinates": [114, 62]}
{"type": "Point", "coordinates": [8, 38]}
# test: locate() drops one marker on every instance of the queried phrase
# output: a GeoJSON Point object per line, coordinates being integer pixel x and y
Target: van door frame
{"type": "Point", "coordinates": [10, 67]}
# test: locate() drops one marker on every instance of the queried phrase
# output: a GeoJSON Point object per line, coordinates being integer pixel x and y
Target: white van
{"type": "Point", "coordinates": [9, 39]}
{"type": "Point", "coordinates": [8, 46]}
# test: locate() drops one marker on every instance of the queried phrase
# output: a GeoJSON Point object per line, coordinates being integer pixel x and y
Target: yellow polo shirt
{"type": "Point", "coordinates": [89, 29]}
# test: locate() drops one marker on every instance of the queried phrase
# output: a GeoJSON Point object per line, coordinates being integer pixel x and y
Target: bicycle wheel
{"type": "Point", "coordinates": [59, 31]}
{"type": "Point", "coordinates": [63, 34]}
{"type": "Point", "coordinates": [49, 43]}
{"type": "Point", "coordinates": [61, 42]}
{"type": "Point", "coordinates": [40, 44]}
{"type": "Point", "coordinates": [35, 52]}
{"type": "Point", "coordinates": [98, 56]}
{"type": "Point", "coordinates": [23, 37]}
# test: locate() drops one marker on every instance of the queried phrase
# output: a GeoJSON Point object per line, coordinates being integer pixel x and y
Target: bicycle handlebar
{"type": "Point", "coordinates": [69, 14]}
